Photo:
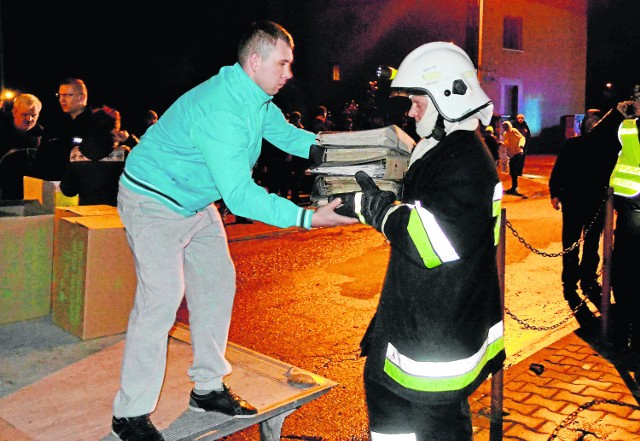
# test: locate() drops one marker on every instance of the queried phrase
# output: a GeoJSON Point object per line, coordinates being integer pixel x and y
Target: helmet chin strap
{"type": "Point", "coordinates": [438, 130]}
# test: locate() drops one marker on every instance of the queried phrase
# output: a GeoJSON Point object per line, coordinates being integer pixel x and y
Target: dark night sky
{"type": "Point", "coordinates": [613, 51]}
{"type": "Point", "coordinates": [136, 55]}
{"type": "Point", "coordinates": [133, 55]}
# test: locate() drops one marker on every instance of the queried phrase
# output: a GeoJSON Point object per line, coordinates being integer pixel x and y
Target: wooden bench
{"type": "Point", "coordinates": [262, 381]}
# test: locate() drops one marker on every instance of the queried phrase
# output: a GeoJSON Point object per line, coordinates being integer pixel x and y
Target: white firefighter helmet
{"type": "Point", "coordinates": [446, 74]}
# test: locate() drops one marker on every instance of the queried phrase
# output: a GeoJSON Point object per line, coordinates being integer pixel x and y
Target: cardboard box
{"type": "Point", "coordinates": [25, 266]}
{"type": "Point", "coordinates": [47, 193]}
{"type": "Point", "coordinates": [21, 208]}
{"type": "Point", "coordinates": [85, 210]}
{"type": "Point", "coordinates": [94, 278]}
{"type": "Point", "coordinates": [82, 210]}
{"type": "Point", "coordinates": [11, 208]}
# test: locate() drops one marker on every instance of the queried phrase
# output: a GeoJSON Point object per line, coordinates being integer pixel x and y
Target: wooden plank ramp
{"type": "Point", "coordinates": [261, 380]}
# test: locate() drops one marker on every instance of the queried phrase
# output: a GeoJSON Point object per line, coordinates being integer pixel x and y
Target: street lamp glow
{"type": "Point", "coordinates": [8, 94]}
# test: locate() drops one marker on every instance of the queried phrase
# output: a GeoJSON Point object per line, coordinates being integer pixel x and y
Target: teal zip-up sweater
{"type": "Point", "coordinates": [205, 145]}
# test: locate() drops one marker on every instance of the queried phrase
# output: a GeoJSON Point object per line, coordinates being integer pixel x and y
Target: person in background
{"type": "Point", "coordinates": [624, 147]}
{"type": "Point", "coordinates": [297, 166]}
{"type": "Point", "coordinates": [201, 150]}
{"type": "Point", "coordinates": [513, 141]}
{"type": "Point", "coordinates": [20, 137]}
{"type": "Point", "coordinates": [321, 121]}
{"type": "Point", "coordinates": [53, 156]}
{"type": "Point", "coordinates": [97, 163]}
{"type": "Point", "coordinates": [295, 118]}
{"type": "Point", "coordinates": [573, 189]}
{"type": "Point", "coordinates": [492, 143]}
{"type": "Point", "coordinates": [124, 138]}
{"type": "Point", "coordinates": [613, 146]}
{"type": "Point", "coordinates": [437, 332]}
{"type": "Point", "coordinates": [149, 118]}
{"type": "Point", "coordinates": [521, 125]}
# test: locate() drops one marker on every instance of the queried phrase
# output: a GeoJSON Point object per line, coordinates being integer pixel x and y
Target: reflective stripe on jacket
{"type": "Point", "coordinates": [497, 206]}
{"type": "Point", "coordinates": [430, 240]}
{"type": "Point", "coordinates": [428, 376]}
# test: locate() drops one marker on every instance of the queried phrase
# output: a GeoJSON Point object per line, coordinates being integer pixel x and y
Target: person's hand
{"type": "Point", "coordinates": [326, 216]}
{"type": "Point", "coordinates": [369, 205]}
{"type": "Point", "coordinates": [555, 203]}
{"type": "Point", "coordinates": [120, 136]}
{"type": "Point", "coordinates": [623, 107]}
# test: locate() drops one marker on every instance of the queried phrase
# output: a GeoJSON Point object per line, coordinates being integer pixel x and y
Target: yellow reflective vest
{"type": "Point", "coordinates": [625, 178]}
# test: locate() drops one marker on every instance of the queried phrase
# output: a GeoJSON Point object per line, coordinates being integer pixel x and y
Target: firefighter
{"type": "Point", "coordinates": [437, 332]}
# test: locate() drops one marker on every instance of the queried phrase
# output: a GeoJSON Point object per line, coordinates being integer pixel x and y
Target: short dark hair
{"type": "Point", "coordinates": [104, 118]}
{"type": "Point", "coordinates": [260, 38]}
{"type": "Point", "coordinates": [321, 111]}
{"type": "Point", "coordinates": [591, 113]}
{"type": "Point", "coordinates": [77, 83]}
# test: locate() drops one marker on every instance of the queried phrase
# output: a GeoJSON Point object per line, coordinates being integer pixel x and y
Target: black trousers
{"type": "Point", "coordinates": [391, 414]}
{"type": "Point", "coordinates": [575, 267]}
{"type": "Point", "coordinates": [624, 276]}
{"type": "Point", "coordinates": [516, 165]}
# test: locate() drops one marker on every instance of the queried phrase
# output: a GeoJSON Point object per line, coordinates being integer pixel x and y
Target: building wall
{"type": "Point", "coordinates": [550, 71]}
{"type": "Point", "coordinates": [358, 35]}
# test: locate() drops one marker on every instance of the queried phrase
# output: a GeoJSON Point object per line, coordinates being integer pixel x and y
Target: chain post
{"type": "Point", "coordinates": [607, 246]}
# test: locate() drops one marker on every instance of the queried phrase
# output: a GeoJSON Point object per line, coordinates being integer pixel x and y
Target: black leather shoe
{"type": "Point", "coordinates": [224, 401]}
{"type": "Point", "coordinates": [135, 429]}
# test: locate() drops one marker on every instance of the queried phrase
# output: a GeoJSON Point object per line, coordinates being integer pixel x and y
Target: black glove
{"type": "Point", "coordinates": [347, 208]}
{"type": "Point", "coordinates": [316, 156]}
{"type": "Point", "coordinates": [369, 205]}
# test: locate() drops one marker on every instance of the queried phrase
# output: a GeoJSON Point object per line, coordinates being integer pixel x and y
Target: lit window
{"type": "Point", "coordinates": [512, 33]}
{"type": "Point", "coordinates": [335, 72]}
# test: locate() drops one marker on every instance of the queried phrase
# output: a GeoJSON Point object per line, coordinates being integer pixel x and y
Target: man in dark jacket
{"type": "Point", "coordinates": [616, 131]}
{"type": "Point", "coordinates": [53, 158]}
{"type": "Point", "coordinates": [437, 332]}
{"type": "Point", "coordinates": [20, 137]}
{"type": "Point", "coordinates": [573, 188]}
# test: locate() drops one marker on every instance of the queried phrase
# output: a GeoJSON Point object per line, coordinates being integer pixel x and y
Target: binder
{"type": "Point", "coordinates": [382, 153]}
{"type": "Point", "coordinates": [325, 186]}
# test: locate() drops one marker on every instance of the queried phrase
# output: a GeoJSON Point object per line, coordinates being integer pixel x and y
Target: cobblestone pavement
{"type": "Point", "coordinates": [571, 390]}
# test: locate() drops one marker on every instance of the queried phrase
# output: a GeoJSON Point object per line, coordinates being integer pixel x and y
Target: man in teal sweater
{"type": "Point", "coordinates": [202, 149]}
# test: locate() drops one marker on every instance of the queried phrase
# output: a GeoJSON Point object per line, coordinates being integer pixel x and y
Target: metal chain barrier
{"type": "Point", "coordinates": [545, 328]}
{"type": "Point", "coordinates": [573, 246]}
{"type": "Point", "coordinates": [566, 250]}
{"type": "Point", "coordinates": [573, 415]}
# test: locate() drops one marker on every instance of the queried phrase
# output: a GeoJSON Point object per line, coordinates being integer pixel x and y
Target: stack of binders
{"type": "Point", "coordinates": [382, 153]}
